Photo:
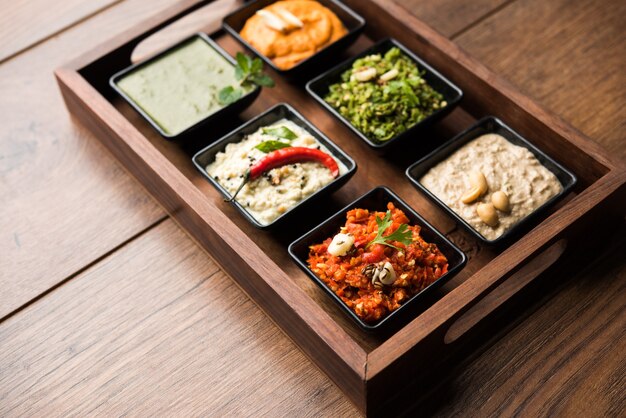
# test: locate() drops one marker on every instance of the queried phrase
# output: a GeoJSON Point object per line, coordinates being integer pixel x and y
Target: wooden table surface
{"type": "Point", "coordinates": [107, 307]}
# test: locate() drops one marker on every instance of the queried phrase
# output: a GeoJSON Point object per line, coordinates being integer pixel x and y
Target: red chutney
{"type": "Point", "coordinates": [416, 265]}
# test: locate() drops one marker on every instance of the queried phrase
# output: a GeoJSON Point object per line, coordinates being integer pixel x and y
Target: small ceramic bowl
{"type": "Point", "coordinates": [320, 86]}
{"type": "Point", "coordinates": [484, 126]}
{"type": "Point", "coordinates": [231, 109]}
{"type": "Point", "coordinates": [377, 199]}
{"type": "Point", "coordinates": [234, 22]}
{"type": "Point", "coordinates": [281, 111]}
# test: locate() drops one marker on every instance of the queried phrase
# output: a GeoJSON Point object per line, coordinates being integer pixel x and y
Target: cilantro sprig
{"type": "Point", "coordinates": [402, 234]}
{"type": "Point", "coordinates": [248, 72]}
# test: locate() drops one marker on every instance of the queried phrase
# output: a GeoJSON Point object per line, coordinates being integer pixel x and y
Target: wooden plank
{"type": "Point", "coordinates": [64, 201]}
{"type": "Point", "coordinates": [451, 16]}
{"type": "Point", "coordinates": [24, 23]}
{"type": "Point", "coordinates": [568, 55]}
{"type": "Point", "coordinates": [154, 329]}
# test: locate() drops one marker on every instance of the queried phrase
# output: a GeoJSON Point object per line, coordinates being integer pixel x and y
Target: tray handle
{"type": "Point", "coordinates": [492, 300]}
{"type": "Point", "coordinates": [206, 19]}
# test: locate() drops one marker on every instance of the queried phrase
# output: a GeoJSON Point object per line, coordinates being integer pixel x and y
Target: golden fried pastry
{"type": "Point", "coordinates": [290, 31]}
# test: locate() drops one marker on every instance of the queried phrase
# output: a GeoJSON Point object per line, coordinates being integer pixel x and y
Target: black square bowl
{"type": "Point", "coordinates": [320, 86]}
{"type": "Point", "coordinates": [280, 111]}
{"type": "Point", "coordinates": [489, 125]}
{"type": "Point", "coordinates": [234, 22]}
{"type": "Point", "coordinates": [231, 109]}
{"type": "Point", "coordinates": [376, 199]}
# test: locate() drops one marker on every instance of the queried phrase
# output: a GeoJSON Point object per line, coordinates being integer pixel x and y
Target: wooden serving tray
{"type": "Point", "coordinates": [376, 372]}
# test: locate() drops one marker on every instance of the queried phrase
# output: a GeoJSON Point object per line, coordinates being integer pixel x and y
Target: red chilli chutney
{"type": "Point", "coordinates": [353, 276]}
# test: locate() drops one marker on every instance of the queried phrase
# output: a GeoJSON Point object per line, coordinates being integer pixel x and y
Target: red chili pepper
{"type": "Point", "coordinates": [286, 156]}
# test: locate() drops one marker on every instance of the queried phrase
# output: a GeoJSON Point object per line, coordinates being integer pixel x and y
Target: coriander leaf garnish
{"type": "Point", "coordinates": [244, 63]}
{"type": "Point", "coordinates": [402, 234]}
{"type": "Point", "coordinates": [269, 146]}
{"type": "Point", "coordinates": [280, 132]}
{"type": "Point", "coordinates": [256, 65]}
{"type": "Point", "coordinates": [248, 72]}
{"type": "Point", "coordinates": [263, 80]}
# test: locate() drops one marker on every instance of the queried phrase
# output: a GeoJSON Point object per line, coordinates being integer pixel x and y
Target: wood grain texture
{"type": "Point", "coordinates": [206, 18]}
{"type": "Point", "coordinates": [583, 379]}
{"type": "Point", "coordinates": [165, 170]}
{"type": "Point", "coordinates": [24, 23]}
{"type": "Point", "coordinates": [64, 201]}
{"type": "Point", "coordinates": [566, 359]}
{"type": "Point", "coordinates": [155, 329]}
{"type": "Point", "coordinates": [568, 55]}
{"type": "Point", "coordinates": [451, 16]}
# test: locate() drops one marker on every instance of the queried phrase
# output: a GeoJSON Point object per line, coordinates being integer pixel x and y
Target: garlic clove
{"type": "Point", "coordinates": [389, 75]}
{"type": "Point", "coordinates": [387, 274]}
{"type": "Point", "coordinates": [341, 244]}
{"type": "Point", "coordinates": [364, 74]}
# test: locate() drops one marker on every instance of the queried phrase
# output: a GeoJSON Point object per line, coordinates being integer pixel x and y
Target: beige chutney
{"type": "Point", "coordinates": [507, 167]}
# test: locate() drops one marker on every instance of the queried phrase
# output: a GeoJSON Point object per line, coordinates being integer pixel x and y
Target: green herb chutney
{"type": "Point", "coordinates": [181, 88]}
{"type": "Point", "coordinates": [383, 96]}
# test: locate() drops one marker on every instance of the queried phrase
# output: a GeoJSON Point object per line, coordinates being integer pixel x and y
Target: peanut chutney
{"type": "Point", "coordinates": [507, 168]}
{"type": "Point", "coordinates": [181, 88]}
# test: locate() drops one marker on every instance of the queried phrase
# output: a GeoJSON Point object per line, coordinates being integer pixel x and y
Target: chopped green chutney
{"type": "Point", "coordinates": [383, 96]}
{"type": "Point", "coordinates": [181, 88]}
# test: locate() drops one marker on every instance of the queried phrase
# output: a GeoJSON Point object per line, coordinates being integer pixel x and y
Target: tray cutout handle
{"type": "Point", "coordinates": [495, 298]}
{"type": "Point", "coordinates": [206, 19]}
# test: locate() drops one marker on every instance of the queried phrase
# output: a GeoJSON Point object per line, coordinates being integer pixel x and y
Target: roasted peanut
{"type": "Point", "coordinates": [478, 187]}
{"type": "Point", "coordinates": [501, 201]}
{"type": "Point", "coordinates": [487, 213]}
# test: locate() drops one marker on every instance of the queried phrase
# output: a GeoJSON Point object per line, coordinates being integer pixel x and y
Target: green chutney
{"type": "Point", "coordinates": [181, 88]}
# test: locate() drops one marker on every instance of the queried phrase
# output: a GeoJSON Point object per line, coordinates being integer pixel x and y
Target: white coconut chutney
{"type": "Point", "coordinates": [280, 189]}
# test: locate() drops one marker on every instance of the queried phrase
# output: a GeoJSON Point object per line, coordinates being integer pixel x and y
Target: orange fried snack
{"type": "Point", "coordinates": [287, 47]}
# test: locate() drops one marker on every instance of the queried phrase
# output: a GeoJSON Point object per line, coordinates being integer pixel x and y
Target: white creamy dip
{"type": "Point", "coordinates": [280, 189]}
{"type": "Point", "coordinates": [507, 167]}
